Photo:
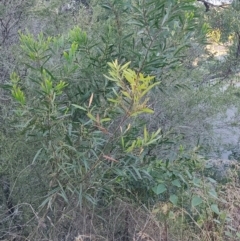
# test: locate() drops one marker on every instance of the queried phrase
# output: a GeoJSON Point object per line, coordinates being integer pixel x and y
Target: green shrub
{"type": "Point", "coordinates": [82, 106]}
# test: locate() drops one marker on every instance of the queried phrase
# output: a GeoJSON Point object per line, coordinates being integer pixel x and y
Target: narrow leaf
{"type": "Point", "coordinates": [36, 156]}
{"type": "Point", "coordinates": [79, 107]}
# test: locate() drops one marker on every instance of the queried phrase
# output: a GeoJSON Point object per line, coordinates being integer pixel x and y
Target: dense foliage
{"type": "Point", "coordinates": [105, 115]}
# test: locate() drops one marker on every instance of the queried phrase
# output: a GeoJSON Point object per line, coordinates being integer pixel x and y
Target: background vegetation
{"type": "Point", "coordinates": [119, 120]}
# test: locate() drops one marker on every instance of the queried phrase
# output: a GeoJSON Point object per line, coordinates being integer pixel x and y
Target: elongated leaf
{"type": "Point", "coordinates": [36, 156]}
{"type": "Point", "coordinates": [213, 193]}
{"type": "Point", "coordinates": [62, 193]}
{"type": "Point", "coordinates": [79, 107]}
{"type": "Point", "coordinates": [125, 93]}
{"type": "Point", "coordinates": [147, 110]}
{"type": "Point", "coordinates": [145, 134]}
{"type": "Point", "coordinates": [149, 88]}
{"type": "Point", "coordinates": [106, 6]}
{"type": "Point", "coordinates": [136, 171]}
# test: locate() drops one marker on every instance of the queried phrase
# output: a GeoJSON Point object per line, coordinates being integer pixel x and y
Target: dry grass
{"type": "Point", "coordinates": [124, 221]}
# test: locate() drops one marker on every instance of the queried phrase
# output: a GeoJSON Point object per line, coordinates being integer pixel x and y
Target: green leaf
{"type": "Point", "coordinates": [227, 233]}
{"type": "Point", "coordinates": [182, 178]}
{"type": "Point", "coordinates": [62, 193]}
{"type": "Point", "coordinates": [125, 93]}
{"type": "Point", "coordinates": [189, 174]}
{"type": "Point", "coordinates": [136, 171]}
{"type": "Point", "coordinates": [79, 107]}
{"type": "Point", "coordinates": [171, 215]}
{"type": "Point", "coordinates": [122, 142]}
{"type": "Point", "coordinates": [212, 180]}
{"type": "Point", "coordinates": [196, 200]}
{"type": "Point", "coordinates": [125, 65]}
{"type": "Point", "coordinates": [147, 110]}
{"type": "Point", "coordinates": [106, 6]}
{"type": "Point", "coordinates": [159, 189]}
{"type": "Point", "coordinates": [231, 228]}
{"type": "Point", "coordinates": [36, 156]}
{"type": "Point", "coordinates": [138, 23]}
{"type": "Point", "coordinates": [196, 182]}
{"type": "Point", "coordinates": [176, 183]}
{"type": "Point", "coordinates": [188, 7]}
{"type": "Point", "coordinates": [214, 208]}
{"type": "Point", "coordinates": [173, 199]}
{"type": "Point", "coordinates": [149, 88]}
{"type": "Point", "coordinates": [105, 120]}
{"type": "Point", "coordinates": [213, 193]}
{"type": "Point", "coordinates": [216, 221]}
{"type": "Point", "coordinates": [145, 134]}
